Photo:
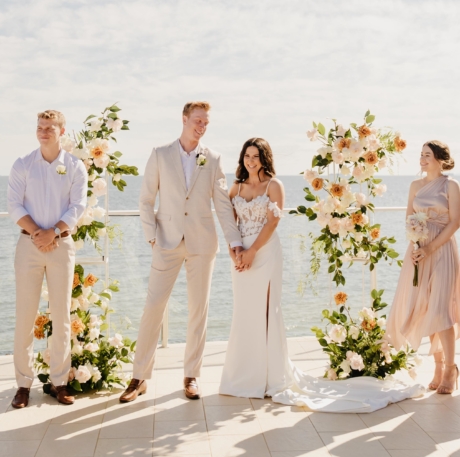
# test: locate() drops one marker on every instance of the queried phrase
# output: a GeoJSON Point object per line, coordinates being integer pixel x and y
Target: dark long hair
{"type": "Point", "coordinates": [265, 157]}
{"type": "Point", "coordinates": [441, 153]}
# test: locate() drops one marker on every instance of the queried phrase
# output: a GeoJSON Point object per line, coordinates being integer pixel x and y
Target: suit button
{"type": "Point", "coordinates": [186, 214]}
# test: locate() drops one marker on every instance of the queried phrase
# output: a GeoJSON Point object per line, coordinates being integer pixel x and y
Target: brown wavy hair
{"type": "Point", "coordinates": [441, 153]}
{"type": "Point", "coordinates": [265, 157]}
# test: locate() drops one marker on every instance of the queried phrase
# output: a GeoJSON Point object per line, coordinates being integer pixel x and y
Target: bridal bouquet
{"type": "Point", "coordinates": [357, 347]}
{"type": "Point", "coordinates": [416, 231]}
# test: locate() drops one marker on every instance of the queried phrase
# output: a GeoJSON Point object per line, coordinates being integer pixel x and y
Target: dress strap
{"type": "Point", "coordinates": [266, 189]}
{"type": "Point", "coordinates": [239, 188]}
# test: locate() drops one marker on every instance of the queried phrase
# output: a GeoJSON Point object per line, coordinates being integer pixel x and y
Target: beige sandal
{"type": "Point", "coordinates": [432, 385]}
{"type": "Point", "coordinates": [448, 390]}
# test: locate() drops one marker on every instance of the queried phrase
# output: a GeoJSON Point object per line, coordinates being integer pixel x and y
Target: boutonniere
{"type": "Point", "coordinates": [61, 170]}
{"type": "Point", "coordinates": [200, 160]}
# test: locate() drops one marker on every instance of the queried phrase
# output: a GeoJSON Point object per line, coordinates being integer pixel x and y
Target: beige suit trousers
{"type": "Point", "coordinates": [30, 266]}
{"type": "Point", "coordinates": [166, 265]}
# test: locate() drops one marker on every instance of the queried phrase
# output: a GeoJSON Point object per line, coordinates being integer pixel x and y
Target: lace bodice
{"type": "Point", "coordinates": [252, 215]}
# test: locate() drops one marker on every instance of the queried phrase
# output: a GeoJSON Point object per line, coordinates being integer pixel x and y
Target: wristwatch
{"type": "Point", "coordinates": [57, 231]}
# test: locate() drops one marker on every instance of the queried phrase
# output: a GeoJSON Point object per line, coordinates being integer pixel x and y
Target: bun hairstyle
{"type": "Point", "coordinates": [441, 153]}
{"type": "Point", "coordinates": [265, 157]}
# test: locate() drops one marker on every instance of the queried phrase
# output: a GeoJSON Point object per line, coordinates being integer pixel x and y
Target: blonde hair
{"type": "Point", "coordinates": [52, 114]}
{"type": "Point", "coordinates": [190, 106]}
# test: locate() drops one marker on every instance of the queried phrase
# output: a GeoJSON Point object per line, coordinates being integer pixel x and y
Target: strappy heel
{"type": "Point", "coordinates": [444, 390]}
{"type": "Point", "coordinates": [432, 385]}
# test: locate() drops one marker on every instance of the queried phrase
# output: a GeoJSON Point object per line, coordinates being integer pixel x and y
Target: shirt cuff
{"type": "Point", "coordinates": [235, 244]}
{"type": "Point", "coordinates": [18, 213]}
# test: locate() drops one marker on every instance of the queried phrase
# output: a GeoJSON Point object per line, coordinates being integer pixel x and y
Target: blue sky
{"type": "Point", "coordinates": [269, 69]}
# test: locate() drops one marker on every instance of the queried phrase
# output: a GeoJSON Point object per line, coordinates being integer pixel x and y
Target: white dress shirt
{"type": "Point", "coordinates": [188, 163]}
{"type": "Point", "coordinates": [35, 188]}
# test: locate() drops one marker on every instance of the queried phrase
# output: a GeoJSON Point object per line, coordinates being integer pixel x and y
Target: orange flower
{"type": "Point", "coordinates": [90, 280]}
{"type": "Point", "coordinates": [368, 325]}
{"type": "Point", "coordinates": [41, 321]}
{"type": "Point", "coordinates": [97, 152]}
{"type": "Point", "coordinates": [344, 143]}
{"type": "Point", "coordinates": [357, 218]}
{"type": "Point", "coordinates": [340, 298]}
{"type": "Point", "coordinates": [76, 280]}
{"type": "Point", "coordinates": [337, 190]}
{"type": "Point", "coordinates": [364, 131]}
{"type": "Point", "coordinates": [39, 333]}
{"type": "Point", "coordinates": [77, 326]}
{"type": "Point", "coordinates": [371, 158]}
{"type": "Point", "coordinates": [317, 184]}
{"type": "Point", "coordinates": [375, 233]}
{"type": "Point", "coordinates": [400, 144]}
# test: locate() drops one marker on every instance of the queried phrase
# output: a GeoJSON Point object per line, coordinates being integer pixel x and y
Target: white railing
{"type": "Point", "coordinates": [103, 259]}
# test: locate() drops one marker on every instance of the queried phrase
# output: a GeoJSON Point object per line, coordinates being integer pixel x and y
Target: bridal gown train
{"type": "Point", "coordinates": [257, 362]}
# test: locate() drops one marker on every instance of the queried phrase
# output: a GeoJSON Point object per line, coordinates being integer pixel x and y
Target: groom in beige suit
{"type": "Point", "coordinates": [185, 175]}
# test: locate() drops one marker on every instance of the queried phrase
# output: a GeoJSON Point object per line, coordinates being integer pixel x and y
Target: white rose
{"type": "Point", "coordinates": [331, 374]}
{"type": "Point", "coordinates": [114, 124]}
{"type": "Point", "coordinates": [92, 201]}
{"type": "Point", "coordinates": [94, 321]}
{"type": "Point", "coordinates": [116, 177]}
{"type": "Point", "coordinates": [102, 232]}
{"type": "Point", "coordinates": [353, 332]}
{"type": "Point", "coordinates": [312, 134]}
{"type": "Point", "coordinates": [94, 298]}
{"type": "Point", "coordinates": [361, 198]}
{"type": "Point", "coordinates": [61, 170]}
{"type": "Point", "coordinates": [67, 143]}
{"type": "Point", "coordinates": [82, 374]}
{"type": "Point", "coordinates": [94, 333]}
{"type": "Point", "coordinates": [337, 157]}
{"type": "Point", "coordinates": [346, 244]}
{"type": "Point", "coordinates": [356, 362]}
{"type": "Point", "coordinates": [46, 356]}
{"type": "Point", "coordinates": [87, 217]}
{"type": "Point", "coordinates": [381, 322]}
{"type": "Point", "coordinates": [98, 212]}
{"type": "Point", "coordinates": [91, 178]}
{"type": "Point", "coordinates": [77, 349]}
{"type": "Point", "coordinates": [345, 365]}
{"type": "Point", "coordinates": [102, 161]}
{"type": "Point", "coordinates": [367, 313]}
{"type": "Point", "coordinates": [380, 189]}
{"type": "Point", "coordinates": [84, 303]}
{"type": "Point", "coordinates": [99, 187]}
{"type": "Point", "coordinates": [95, 373]}
{"type": "Point", "coordinates": [104, 304]}
{"type": "Point", "coordinates": [79, 244]}
{"type": "Point", "coordinates": [86, 291]}
{"type": "Point", "coordinates": [418, 359]}
{"type": "Point", "coordinates": [341, 130]}
{"type": "Point", "coordinates": [388, 358]}
{"type": "Point", "coordinates": [358, 237]}
{"type": "Point", "coordinates": [338, 333]}
{"type": "Point", "coordinates": [75, 304]}
{"type": "Point", "coordinates": [310, 175]}
{"type": "Point", "coordinates": [116, 341]}
{"type": "Point", "coordinates": [95, 124]}
{"type": "Point", "coordinates": [345, 170]}
{"type": "Point", "coordinates": [382, 163]}
{"type": "Point", "coordinates": [91, 347]}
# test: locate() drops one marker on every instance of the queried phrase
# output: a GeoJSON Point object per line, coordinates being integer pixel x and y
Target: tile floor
{"type": "Point", "coordinates": [163, 423]}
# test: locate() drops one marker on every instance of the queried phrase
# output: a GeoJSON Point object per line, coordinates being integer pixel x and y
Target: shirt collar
{"type": "Point", "coordinates": [192, 153]}
{"type": "Point", "coordinates": [59, 158]}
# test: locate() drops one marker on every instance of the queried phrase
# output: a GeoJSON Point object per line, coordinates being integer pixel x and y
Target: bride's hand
{"type": "Point", "coordinates": [420, 254]}
{"type": "Point", "coordinates": [247, 257]}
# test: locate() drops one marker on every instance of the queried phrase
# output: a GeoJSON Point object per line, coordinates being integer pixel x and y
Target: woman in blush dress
{"type": "Point", "coordinates": [257, 362]}
{"type": "Point", "coordinates": [433, 307]}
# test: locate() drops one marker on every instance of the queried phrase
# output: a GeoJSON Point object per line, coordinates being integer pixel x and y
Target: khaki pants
{"type": "Point", "coordinates": [30, 265]}
{"type": "Point", "coordinates": [166, 265]}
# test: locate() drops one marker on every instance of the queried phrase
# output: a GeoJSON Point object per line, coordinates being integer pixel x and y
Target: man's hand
{"type": "Point", "coordinates": [50, 247]}
{"type": "Point", "coordinates": [43, 238]}
{"type": "Point", "coordinates": [237, 250]}
{"type": "Point", "coordinates": [152, 243]}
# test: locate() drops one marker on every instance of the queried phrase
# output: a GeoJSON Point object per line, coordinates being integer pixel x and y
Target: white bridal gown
{"type": "Point", "coordinates": [257, 362]}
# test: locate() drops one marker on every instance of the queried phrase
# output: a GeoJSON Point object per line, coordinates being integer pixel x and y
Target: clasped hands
{"type": "Point", "coordinates": [242, 258]}
{"type": "Point", "coordinates": [420, 254]}
{"type": "Point", "coordinates": [44, 239]}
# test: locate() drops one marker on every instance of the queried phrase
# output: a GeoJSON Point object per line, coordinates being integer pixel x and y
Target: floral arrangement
{"type": "Point", "coordinates": [356, 154]}
{"type": "Point", "coordinates": [96, 358]}
{"type": "Point", "coordinates": [416, 231]}
{"type": "Point", "coordinates": [357, 347]}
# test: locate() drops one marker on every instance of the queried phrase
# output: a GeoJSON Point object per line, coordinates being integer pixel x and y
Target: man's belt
{"type": "Point", "coordinates": [63, 234]}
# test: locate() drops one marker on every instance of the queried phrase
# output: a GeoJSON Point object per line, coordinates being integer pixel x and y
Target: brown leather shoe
{"type": "Point", "coordinates": [191, 389]}
{"type": "Point", "coordinates": [136, 387]}
{"type": "Point", "coordinates": [61, 393]}
{"type": "Point", "coordinates": [21, 399]}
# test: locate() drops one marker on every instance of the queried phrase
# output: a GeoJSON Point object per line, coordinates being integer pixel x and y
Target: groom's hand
{"type": "Point", "coordinates": [238, 250]}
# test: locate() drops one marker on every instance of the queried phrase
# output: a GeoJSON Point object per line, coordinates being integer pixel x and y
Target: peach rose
{"type": "Point", "coordinates": [357, 218]}
{"type": "Point", "coordinates": [400, 144]}
{"type": "Point", "coordinates": [97, 152]}
{"type": "Point", "coordinates": [375, 233]}
{"type": "Point", "coordinates": [337, 190]}
{"type": "Point", "coordinates": [317, 184]}
{"type": "Point", "coordinates": [39, 333]}
{"type": "Point", "coordinates": [76, 280]}
{"type": "Point", "coordinates": [343, 143]}
{"type": "Point", "coordinates": [364, 131]}
{"type": "Point", "coordinates": [368, 325]}
{"type": "Point", "coordinates": [77, 326]}
{"type": "Point", "coordinates": [371, 158]}
{"type": "Point", "coordinates": [41, 321]}
{"type": "Point", "coordinates": [340, 298]}
{"type": "Point", "coordinates": [90, 280]}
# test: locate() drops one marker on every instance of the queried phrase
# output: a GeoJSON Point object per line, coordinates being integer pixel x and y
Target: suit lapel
{"type": "Point", "coordinates": [197, 170]}
{"type": "Point", "coordinates": [175, 156]}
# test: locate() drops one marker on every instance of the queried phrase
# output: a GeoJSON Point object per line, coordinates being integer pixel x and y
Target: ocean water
{"type": "Point", "coordinates": [303, 296]}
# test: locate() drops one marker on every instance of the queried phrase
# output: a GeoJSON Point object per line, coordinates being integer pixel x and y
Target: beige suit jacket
{"type": "Point", "coordinates": [185, 213]}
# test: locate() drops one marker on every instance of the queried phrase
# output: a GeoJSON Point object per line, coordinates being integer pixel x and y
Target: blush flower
{"type": "Point", "coordinates": [338, 333]}
{"type": "Point", "coordinates": [340, 298]}
{"type": "Point", "coordinates": [400, 144]}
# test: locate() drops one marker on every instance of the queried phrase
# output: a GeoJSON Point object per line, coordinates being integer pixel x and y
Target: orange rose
{"type": "Point", "coordinates": [357, 218]}
{"type": "Point", "coordinates": [375, 233]}
{"type": "Point", "coordinates": [371, 158]}
{"type": "Point", "coordinates": [41, 321]}
{"type": "Point", "coordinates": [39, 333]}
{"type": "Point", "coordinates": [77, 326]}
{"type": "Point", "coordinates": [344, 143]}
{"type": "Point", "coordinates": [364, 131]}
{"type": "Point", "coordinates": [368, 325]}
{"type": "Point", "coordinates": [76, 280]}
{"type": "Point", "coordinates": [337, 190]}
{"type": "Point", "coordinates": [400, 144]}
{"type": "Point", "coordinates": [340, 298]}
{"type": "Point", "coordinates": [317, 184]}
{"type": "Point", "coordinates": [97, 152]}
{"type": "Point", "coordinates": [90, 280]}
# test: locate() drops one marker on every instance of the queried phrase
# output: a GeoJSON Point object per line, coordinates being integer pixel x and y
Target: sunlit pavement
{"type": "Point", "coordinates": [164, 423]}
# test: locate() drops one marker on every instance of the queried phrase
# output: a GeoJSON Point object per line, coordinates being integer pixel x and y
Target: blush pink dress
{"type": "Point", "coordinates": [434, 305]}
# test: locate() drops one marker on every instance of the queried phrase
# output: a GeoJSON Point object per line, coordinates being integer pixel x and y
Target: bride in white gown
{"type": "Point", "coordinates": [257, 363]}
